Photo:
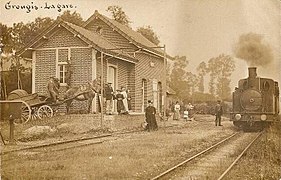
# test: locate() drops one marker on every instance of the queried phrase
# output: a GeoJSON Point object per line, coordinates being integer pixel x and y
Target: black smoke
{"type": "Point", "coordinates": [253, 50]}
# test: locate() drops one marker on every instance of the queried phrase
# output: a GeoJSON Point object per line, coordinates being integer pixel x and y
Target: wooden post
{"type": "Point", "coordinates": [165, 86]}
{"type": "Point", "coordinates": [12, 128]}
{"type": "Point", "coordinates": [102, 82]}
{"type": "Point", "coordinates": [2, 138]}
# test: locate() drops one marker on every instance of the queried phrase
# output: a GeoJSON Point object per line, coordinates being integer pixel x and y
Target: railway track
{"type": "Point", "coordinates": [214, 162]}
{"type": "Point", "coordinates": [74, 143]}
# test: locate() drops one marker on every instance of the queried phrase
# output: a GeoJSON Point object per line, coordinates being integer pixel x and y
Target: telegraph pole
{"type": "Point", "coordinates": [165, 86]}
{"type": "Point", "coordinates": [102, 82]}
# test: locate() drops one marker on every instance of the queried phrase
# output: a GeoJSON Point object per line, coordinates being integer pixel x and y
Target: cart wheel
{"type": "Point", "coordinates": [45, 111]}
{"type": "Point", "coordinates": [34, 114]}
{"type": "Point", "coordinates": [25, 114]}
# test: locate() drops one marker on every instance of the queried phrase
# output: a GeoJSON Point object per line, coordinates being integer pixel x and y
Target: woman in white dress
{"type": "Point", "coordinates": [177, 111]}
{"type": "Point", "coordinates": [125, 101]}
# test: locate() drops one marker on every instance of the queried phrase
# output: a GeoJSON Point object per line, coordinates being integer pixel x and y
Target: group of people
{"type": "Point", "coordinates": [123, 98]}
{"type": "Point", "coordinates": [150, 113]}
{"type": "Point", "coordinates": [188, 109]}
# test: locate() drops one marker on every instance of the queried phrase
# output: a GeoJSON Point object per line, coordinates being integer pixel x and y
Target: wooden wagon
{"type": "Point", "coordinates": [33, 105]}
{"type": "Point", "coordinates": [36, 106]}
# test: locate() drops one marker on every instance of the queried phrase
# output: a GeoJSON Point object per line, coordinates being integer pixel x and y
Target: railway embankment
{"type": "Point", "coordinates": [263, 160]}
{"type": "Point", "coordinates": [136, 155]}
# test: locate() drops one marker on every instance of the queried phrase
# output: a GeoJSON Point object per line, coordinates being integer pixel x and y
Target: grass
{"type": "Point", "coordinates": [263, 160]}
{"type": "Point", "coordinates": [137, 156]}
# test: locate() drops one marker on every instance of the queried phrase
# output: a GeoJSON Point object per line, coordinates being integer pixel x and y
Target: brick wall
{"type": "Point", "coordinates": [150, 74]}
{"type": "Point", "coordinates": [81, 62]}
{"type": "Point", "coordinates": [62, 38]}
{"type": "Point", "coordinates": [112, 35]}
{"type": "Point", "coordinates": [45, 67]}
{"type": "Point", "coordinates": [129, 75]}
{"type": "Point", "coordinates": [136, 73]}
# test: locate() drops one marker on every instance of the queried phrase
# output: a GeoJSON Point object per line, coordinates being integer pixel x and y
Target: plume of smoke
{"type": "Point", "coordinates": [253, 50]}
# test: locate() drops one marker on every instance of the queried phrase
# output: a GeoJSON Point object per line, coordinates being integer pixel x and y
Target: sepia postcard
{"type": "Point", "coordinates": [130, 89]}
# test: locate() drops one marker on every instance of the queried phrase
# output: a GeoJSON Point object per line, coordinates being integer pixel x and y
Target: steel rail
{"type": "Point", "coordinates": [71, 141]}
{"type": "Point", "coordinates": [55, 143]}
{"type": "Point", "coordinates": [193, 157]}
{"type": "Point", "coordinates": [239, 157]}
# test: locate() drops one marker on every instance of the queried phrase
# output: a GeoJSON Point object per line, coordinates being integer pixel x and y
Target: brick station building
{"type": "Point", "coordinates": [73, 54]}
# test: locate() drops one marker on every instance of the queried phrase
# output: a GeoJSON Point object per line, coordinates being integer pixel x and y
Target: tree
{"type": "Point", "coordinates": [17, 36]}
{"type": "Point", "coordinates": [74, 18]}
{"type": "Point", "coordinates": [179, 78]}
{"type": "Point", "coordinates": [5, 39]}
{"type": "Point", "coordinates": [20, 34]}
{"type": "Point", "coordinates": [119, 15]}
{"type": "Point", "coordinates": [201, 70]}
{"type": "Point", "coordinates": [149, 34]}
{"type": "Point", "coordinates": [191, 82]}
{"type": "Point", "coordinates": [220, 69]}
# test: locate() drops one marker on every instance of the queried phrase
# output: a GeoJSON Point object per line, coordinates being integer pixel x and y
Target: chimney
{"type": "Point", "coordinates": [252, 72]}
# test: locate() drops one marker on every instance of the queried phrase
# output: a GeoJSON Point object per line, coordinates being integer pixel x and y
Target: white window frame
{"type": "Point", "coordinates": [64, 71]}
{"type": "Point", "coordinates": [63, 64]}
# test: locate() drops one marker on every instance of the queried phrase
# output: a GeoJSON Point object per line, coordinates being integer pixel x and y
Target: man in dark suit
{"type": "Point", "coordinates": [109, 98]}
{"type": "Point", "coordinates": [53, 86]}
{"type": "Point", "coordinates": [218, 113]}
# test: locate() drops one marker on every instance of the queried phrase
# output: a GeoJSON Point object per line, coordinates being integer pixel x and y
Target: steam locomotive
{"type": "Point", "coordinates": [255, 102]}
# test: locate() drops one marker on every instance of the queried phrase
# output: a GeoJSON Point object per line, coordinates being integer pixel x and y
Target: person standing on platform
{"type": "Point", "coordinates": [119, 97]}
{"type": "Point", "coordinates": [97, 88]}
{"type": "Point", "coordinates": [109, 98]}
{"type": "Point", "coordinates": [218, 113]}
{"type": "Point", "coordinates": [125, 101]}
{"type": "Point", "coordinates": [150, 118]}
{"type": "Point", "coordinates": [177, 111]}
{"type": "Point", "coordinates": [129, 98]}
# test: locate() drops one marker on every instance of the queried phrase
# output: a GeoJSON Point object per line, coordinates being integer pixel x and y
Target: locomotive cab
{"type": "Point", "coordinates": [255, 101]}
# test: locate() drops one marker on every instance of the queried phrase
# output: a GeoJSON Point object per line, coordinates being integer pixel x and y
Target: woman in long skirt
{"type": "Point", "coordinates": [177, 111]}
{"type": "Point", "coordinates": [150, 118]}
{"type": "Point", "coordinates": [125, 101]}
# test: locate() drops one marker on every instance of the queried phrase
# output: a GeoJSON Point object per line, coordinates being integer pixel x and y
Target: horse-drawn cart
{"type": "Point", "coordinates": [39, 106]}
{"type": "Point", "coordinates": [33, 105]}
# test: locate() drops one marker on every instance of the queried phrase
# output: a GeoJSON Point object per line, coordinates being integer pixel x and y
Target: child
{"type": "Point", "coordinates": [185, 114]}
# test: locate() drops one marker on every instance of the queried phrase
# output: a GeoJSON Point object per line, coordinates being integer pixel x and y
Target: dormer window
{"type": "Point", "coordinates": [99, 30]}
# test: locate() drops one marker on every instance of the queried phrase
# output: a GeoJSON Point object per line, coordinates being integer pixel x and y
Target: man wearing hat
{"type": "Point", "coordinates": [53, 88]}
{"type": "Point", "coordinates": [150, 118]}
{"type": "Point", "coordinates": [108, 93]}
{"type": "Point", "coordinates": [218, 113]}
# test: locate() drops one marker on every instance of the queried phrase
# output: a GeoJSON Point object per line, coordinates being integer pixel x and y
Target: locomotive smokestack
{"type": "Point", "coordinates": [252, 72]}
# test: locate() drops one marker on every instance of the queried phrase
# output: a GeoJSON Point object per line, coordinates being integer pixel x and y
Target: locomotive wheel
{"type": "Point", "coordinates": [45, 111]}
{"type": "Point", "coordinates": [25, 114]}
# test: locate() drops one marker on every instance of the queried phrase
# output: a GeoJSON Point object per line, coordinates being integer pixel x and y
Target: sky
{"type": "Point", "coordinates": [197, 29]}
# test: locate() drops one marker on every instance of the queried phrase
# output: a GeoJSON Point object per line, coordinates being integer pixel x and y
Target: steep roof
{"type": "Point", "coordinates": [137, 38]}
{"type": "Point", "coordinates": [100, 42]}
{"type": "Point", "coordinates": [91, 38]}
